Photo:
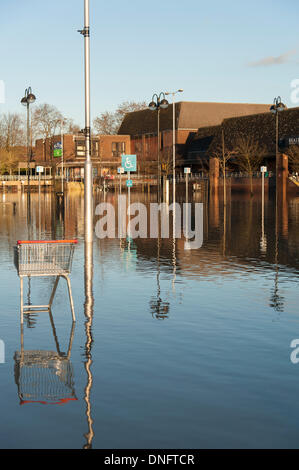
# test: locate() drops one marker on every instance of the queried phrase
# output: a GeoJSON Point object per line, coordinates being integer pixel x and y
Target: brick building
{"type": "Point", "coordinates": [189, 117]}
{"type": "Point", "coordinates": [106, 151]}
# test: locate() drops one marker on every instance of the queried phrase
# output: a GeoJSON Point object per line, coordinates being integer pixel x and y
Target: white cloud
{"type": "Point", "coordinates": [271, 60]}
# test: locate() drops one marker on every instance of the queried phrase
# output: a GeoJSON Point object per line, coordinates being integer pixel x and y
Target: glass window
{"type": "Point", "coordinates": [118, 148]}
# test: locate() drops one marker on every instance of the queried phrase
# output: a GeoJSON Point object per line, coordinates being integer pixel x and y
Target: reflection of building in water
{"type": "Point", "coordinates": [45, 377]}
{"type": "Point", "coordinates": [241, 239]}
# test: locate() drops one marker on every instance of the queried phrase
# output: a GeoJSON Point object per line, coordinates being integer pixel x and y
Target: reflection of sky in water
{"type": "Point", "coordinates": [184, 349]}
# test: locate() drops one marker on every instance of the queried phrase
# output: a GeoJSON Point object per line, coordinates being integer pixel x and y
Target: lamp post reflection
{"type": "Point", "coordinates": [174, 242]}
{"type": "Point", "coordinates": [159, 308]}
{"type": "Point", "coordinates": [276, 300]}
{"type": "Point", "coordinates": [88, 311]}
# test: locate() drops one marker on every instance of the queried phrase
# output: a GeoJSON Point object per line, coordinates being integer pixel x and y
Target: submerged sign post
{"type": "Point", "coordinates": [120, 171]}
{"type": "Point", "coordinates": [263, 171]}
{"type": "Point", "coordinates": [129, 163]}
{"type": "Point", "coordinates": [187, 172]}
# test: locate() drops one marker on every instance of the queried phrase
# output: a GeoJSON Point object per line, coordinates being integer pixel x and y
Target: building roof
{"type": "Point", "coordinates": [262, 127]}
{"type": "Point", "coordinates": [189, 115]}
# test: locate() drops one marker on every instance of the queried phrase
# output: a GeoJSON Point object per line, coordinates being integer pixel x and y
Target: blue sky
{"type": "Point", "coordinates": [228, 51]}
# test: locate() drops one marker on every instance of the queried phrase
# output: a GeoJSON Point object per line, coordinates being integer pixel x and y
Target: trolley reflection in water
{"type": "Point", "coordinates": [45, 377]}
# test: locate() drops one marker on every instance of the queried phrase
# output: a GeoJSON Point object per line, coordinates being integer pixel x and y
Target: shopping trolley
{"type": "Point", "coordinates": [45, 377]}
{"type": "Point", "coordinates": [44, 258]}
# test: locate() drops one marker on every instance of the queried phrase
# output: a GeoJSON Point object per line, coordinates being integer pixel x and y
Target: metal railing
{"type": "Point", "coordinates": [180, 177]}
{"type": "Point", "coordinates": [24, 178]}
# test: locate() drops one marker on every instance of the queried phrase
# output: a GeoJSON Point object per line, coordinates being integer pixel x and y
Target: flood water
{"type": "Point", "coordinates": [172, 348]}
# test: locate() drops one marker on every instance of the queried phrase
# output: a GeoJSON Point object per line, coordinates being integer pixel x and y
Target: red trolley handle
{"type": "Point", "coordinates": [24, 242]}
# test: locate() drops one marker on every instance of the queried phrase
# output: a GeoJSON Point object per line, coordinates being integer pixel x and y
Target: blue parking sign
{"type": "Point", "coordinates": [129, 162]}
{"type": "Point", "coordinates": [129, 183]}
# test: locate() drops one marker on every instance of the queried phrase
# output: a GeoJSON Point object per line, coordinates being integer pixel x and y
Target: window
{"type": "Point", "coordinates": [80, 148]}
{"type": "Point", "coordinates": [118, 148]}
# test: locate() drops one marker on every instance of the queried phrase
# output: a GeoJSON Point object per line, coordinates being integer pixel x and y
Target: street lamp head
{"type": "Point", "coordinates": [278, 105]}
{"type": "Point", "coordinates": [273, 109]}
{"type": "Point", "coordinates": [164, 104]}
{"type": "Point", "coordinates": [180, 90]}
{"type": "Point", "coordinates": [31, 98]}
{"type": "Point", "coordinates": [281, 107]}
{"type": "Point", "coordinates": [152, 106]}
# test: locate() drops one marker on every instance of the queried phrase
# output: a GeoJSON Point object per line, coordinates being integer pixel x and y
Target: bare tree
{"type": "Point", "coordinates": [8, 161]}
{"type": "Point", "coordinates": [293, 154]}
{"type": "Point", "coordinates": [224, 154]}
{"type": "Point", "coordinates": [127, 107]}
{"type": "Point", "coordinates": [248, 154]}
{"type": "Point", "coordinates": [46, 120]}
{"type": "Point", "coordinates": [166, 161]}
{"type": "Point", "coordinates": [108, 123]}
{"type": "Point", "coordinates": [11, 131]}
{"type": "Point", "coordinates": [105, 124]}
{"type": "Point", "coordinates": [70, 127]}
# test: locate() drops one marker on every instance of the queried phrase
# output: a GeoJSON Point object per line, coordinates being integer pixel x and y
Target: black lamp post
{"type": "Point", "coordinates": [29, 98]}
{"type": "Point", "coordinates": [158, 102]}
{"type": "Point", "coordinates": [276, 108]}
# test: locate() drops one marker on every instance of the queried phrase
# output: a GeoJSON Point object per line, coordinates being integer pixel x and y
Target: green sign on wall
{"type": "Point", "coordinates": [57, 152]}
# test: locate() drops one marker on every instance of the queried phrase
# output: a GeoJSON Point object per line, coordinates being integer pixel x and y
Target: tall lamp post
{"type": "Point", "coordinates": [88, 183]}
{"type": "Point", "coordinates": [173, 93]}
{"type": "Point", "coordinates": [276, 108]}
{"type": "Point", "coordinates": [28, 99]}
{"type": "Point", "coordinates": [158, 102]}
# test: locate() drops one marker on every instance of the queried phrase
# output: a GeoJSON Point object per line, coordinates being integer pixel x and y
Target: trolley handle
{"type": "Point", "coordinates": [27, 242]}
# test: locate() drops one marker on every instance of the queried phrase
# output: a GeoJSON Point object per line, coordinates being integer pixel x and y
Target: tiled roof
{"type": "Point", "coordinates": [189, 115]}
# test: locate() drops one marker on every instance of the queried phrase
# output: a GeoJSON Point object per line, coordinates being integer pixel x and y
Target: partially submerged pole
{"type": "Point", "coordinates": [88, 183]}
{"type": "Point", "coordinates": [88, 231]}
